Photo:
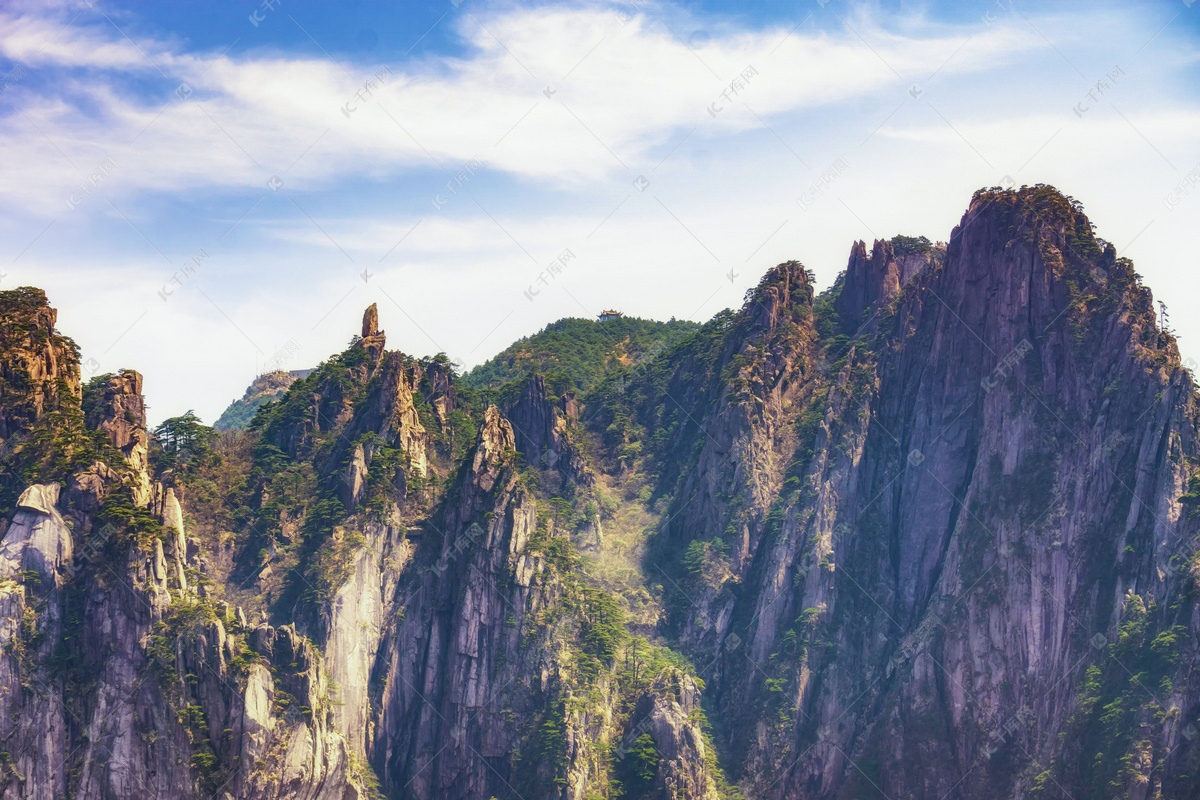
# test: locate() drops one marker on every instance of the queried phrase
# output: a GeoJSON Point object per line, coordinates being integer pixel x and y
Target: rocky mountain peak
{"type": "Point", "coordinates": [783, 287]}
{"type": "Point", "coordinates": [1039, 216]}
{"type": "Point", "coordinates": [1026, 264]}
{"type": "Point", "coordinates": [119, 410]}
{"type": "Point", "coordinates": [871, 279]}
{"type": "Point", "coordinates": [950, 552]}
{"type": "Point", "coordinates": [495, 441]}
{"type": "Point", "coordinates": [541, 424]}
{"type": "Point", "coordinates": [373, 339]}
{"type": "Point", "coordinates": [538, 423]}
{"type": "Point", "coordinates": [39, 366]}
{"type": "Point", "coordinates": [370, 324]}
{"type": "Point", "coordinates": [774, 324]}
{"type": "Point", "coordinates": [267, 387]}
{"type": "Point", "coordinates": [495, 435]}
{"type": "Point", "coordinates": [874, 279]}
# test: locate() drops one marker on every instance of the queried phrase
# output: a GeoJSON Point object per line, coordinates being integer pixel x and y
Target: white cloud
{"type": "Point", "coordinates": [532, 106]}
{"type": "Point", "coordinates": [720, 207]}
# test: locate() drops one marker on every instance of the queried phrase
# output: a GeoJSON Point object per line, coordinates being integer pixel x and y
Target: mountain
{"type": "Point", "coordinates": [930, 533]}
{"type": "Point", "coordinates": [266, 388]}
{"type": "Point", "coordinates": [578, 353]}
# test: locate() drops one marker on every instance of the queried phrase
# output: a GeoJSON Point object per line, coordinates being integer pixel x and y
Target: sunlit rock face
{"type": "Point", "coordinates": [930, 533]}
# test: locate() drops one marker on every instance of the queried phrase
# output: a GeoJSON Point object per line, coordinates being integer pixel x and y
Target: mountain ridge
{"type": "Point", "coordinates": [930, 532]}
{"type": "Point", "coordinates": [577, 353]}
{"type": "Point", "coordinates": [265, 388]}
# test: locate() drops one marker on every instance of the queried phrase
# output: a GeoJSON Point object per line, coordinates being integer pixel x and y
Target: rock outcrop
{"type": "Point", "coordinates": [120, 411]}
{"type": "Point", "coordinates": [930, 534]}
{"type": "Point", "coordinates": [40, 367]}
{"type": "Point", "coordinates": [542, 424]}
{"type": "Point", "coordinates": [456, 664]}
{"type": "Point", "coordinates": [991, 491]}
{"type": "Point", "coordinates": [34, 555]}
{"type": "Point", "coordinates": [267, 387]}
{"type": "Point", "coordinates": [373, 339]}
{"type": "Point", "coordinates": [874, 280]}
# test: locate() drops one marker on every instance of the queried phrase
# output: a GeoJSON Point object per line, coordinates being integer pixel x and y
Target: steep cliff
{"type": "Point", "coordinates": [40, 365]}
{"type": "Point", "coordinates": [412, 618]}
{"type": "Point", "coordinates": [955, 578]}
{"type": "Point", "coordinates": [929, 533]}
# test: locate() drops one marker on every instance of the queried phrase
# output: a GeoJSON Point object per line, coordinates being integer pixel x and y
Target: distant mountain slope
{"type": "Point", "coordinates": [265, 388]}
{"type": "Point", "coordinates": [583, 350]}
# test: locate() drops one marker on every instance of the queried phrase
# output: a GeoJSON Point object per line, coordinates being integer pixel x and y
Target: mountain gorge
{"type": "Point", "coordinates": [930, 532]}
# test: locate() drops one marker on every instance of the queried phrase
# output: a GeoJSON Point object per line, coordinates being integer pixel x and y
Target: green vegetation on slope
{"type": "Point", "coordinates": [1109, 733]}
{"type": "Point", "coordinates": [58, 445]}
{"type": "Point", "coordinates": [266, 388]}
{"type": "Point", "coordinates": [579, 353]}
{"type": "Point", "coordinates": [240, 413]}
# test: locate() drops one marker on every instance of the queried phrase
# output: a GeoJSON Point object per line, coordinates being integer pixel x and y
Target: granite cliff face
{"type": "Point", "coordinates": [41, 366]}
{"type": "Point", "coordinates": [874, 280]}
{"type": "Point", "coordinates": [973, 579]}
{"type": "Point", "coordinates": [929, 533]}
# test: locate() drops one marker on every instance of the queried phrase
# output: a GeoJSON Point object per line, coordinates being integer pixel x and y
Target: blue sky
{"type": "Point", "coordinates": [206, 189]}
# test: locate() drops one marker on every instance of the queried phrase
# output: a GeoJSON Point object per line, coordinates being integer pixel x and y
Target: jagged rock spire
{"type": "Point", "coordinates": [370, 325]}
{"type": "Point", "coordinates": [874, 278]}
{"type": "Point", "coordinates": [373, 339]}
{"type": "Point", "coordinates": [120, 411]}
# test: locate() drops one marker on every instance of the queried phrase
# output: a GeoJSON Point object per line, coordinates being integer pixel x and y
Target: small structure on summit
{"type": "Point", "coordinates": [605, 316]}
